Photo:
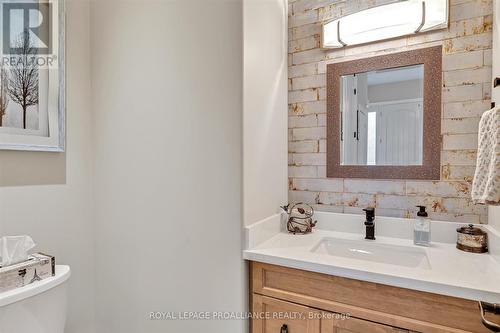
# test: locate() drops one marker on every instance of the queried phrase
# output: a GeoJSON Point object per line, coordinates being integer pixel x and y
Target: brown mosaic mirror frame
{"type": "Point", "coordinates": [431, 58]}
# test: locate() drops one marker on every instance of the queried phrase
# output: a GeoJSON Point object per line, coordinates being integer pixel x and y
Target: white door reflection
{"type": "Point", "coordinates": [382, 117]}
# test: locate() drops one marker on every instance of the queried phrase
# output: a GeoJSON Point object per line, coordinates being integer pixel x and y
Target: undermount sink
{"type": "Point", "coordinates": [374, 252]}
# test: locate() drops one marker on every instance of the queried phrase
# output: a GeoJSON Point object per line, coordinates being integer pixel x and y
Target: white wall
{"type": "Point", "coordinates": [396, 91]}
{"type": "Point", "coordinates": [49, 195]}
{"type": "Point", "coordinates": [494, 217]}
{"type": "Point", "coordinates": [494, 212]}
{"type": "Point", "coordinates": [265, 108]}
{"type": "Point", "coordinates": [167, 99]}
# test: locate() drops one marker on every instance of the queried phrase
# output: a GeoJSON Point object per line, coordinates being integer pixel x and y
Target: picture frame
{"type": "Point", "coordinates": [42, 125]}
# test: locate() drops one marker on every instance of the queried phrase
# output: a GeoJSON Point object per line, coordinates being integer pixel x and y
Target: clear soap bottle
{"type": "Point", "coordinates": [422, 228]}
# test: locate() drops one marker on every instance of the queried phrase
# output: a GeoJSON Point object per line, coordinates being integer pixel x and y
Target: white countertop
{"type": "Point", "coordinates": [449, 271]}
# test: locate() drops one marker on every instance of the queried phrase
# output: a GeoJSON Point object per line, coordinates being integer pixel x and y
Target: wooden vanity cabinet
{"type": "Point", "coordinates": [286, 300]}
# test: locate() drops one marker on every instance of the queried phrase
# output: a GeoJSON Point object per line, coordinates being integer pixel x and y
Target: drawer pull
{"type": "Point", "coordinates": [284, 329]}
{"type": "Point", "coordinates": [493, 308]}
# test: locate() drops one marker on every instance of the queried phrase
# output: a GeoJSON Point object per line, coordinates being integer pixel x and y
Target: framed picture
{"type": "Point", "coordinates": [32, 85]}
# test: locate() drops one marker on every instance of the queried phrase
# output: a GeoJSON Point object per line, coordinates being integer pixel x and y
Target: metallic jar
{"type": "Point", "coordinates": [472, 239]}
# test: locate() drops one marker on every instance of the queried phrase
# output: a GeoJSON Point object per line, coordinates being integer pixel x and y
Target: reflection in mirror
{"type": "Point", "coordinates": [382, 117]}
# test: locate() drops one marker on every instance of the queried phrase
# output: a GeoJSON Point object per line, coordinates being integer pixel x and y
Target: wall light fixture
{"type": "Point", "coordinates": [384, 22]}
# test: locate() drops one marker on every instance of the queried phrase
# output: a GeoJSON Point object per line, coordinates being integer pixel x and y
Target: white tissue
{"type": "Point", "coordinates": [14, 249]}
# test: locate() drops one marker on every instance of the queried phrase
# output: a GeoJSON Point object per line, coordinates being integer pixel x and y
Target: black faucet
{"type": "Point", "coordinates": [370, 223]}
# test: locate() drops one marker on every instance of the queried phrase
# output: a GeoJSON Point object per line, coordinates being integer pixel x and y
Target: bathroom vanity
{"type": "Point", "coordinates": [334, 280]}
{"type": "Point", "coordinates": [371, 307]}
{"type": "Point", "coordinates": [388, 137]}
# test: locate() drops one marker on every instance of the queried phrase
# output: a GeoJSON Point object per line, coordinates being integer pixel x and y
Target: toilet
{"type": "Point", "coordinates": [36, 308]}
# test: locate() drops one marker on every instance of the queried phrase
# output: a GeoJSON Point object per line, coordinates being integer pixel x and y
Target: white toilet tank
{"type": "Point", "coordinates": [37, 308]}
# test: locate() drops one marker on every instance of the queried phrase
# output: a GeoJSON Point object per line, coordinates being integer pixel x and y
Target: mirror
{"type": "Point", "coordinates": [382, 117]}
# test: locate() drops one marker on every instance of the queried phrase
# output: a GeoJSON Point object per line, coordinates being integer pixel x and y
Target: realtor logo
{"type": "Point", "coordinates": [27, 23]}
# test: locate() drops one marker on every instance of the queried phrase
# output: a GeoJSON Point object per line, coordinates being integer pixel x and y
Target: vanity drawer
{"type": "Point", "coordinates": [275, 316]}
{"type": "Point", "coordinates": [355, 325]}
{"type": "Point", "coordinates": [397, 307]}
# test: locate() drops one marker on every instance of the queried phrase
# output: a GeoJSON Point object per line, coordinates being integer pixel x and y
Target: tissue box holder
{"type": "Point", "coordinates": [39, 266]}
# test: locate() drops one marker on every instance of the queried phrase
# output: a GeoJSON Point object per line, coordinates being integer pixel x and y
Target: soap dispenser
{"type": "Point", "coordinates": [422, 228]}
